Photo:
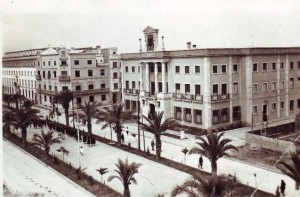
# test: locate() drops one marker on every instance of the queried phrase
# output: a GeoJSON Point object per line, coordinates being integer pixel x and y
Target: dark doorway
{"type": "Point", "coordinates": [265, 112]}
{"type": "Point", "coordinates": [152, 87]}
{"type": "Point", "coordinates": [152, 110]}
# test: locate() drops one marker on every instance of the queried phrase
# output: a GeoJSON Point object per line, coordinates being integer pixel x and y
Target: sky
{"type": "Point", "coordinates": [28, 24]}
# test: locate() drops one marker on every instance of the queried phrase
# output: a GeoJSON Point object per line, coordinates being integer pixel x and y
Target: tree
{"type": "Point", "coordinates": [157, 127]}
{"type": "Point", "coordinates": [64, 98]}
{"type": "Point", "coordinates": [102, 171]}
{"type": "Point", "coordinates": [212, 186]}
{"type": "Point", "coordinates": [116, 117]}
{"type": "Point", "coordinates": [64, 151]}
{"type": "Point", "coordinates": [44, 140]}
{"type": "Point", "coordinates": [88, 111]}
{"type": "Point", "coordinates": [24, 117]}
{"type": "Point", "coordinates": [7, 121]}
{"type": "Point", "coordinates": [292, 169]}
{"type": "Point", "coordinates": [213, 148]}
{"type": "Point", "coordinates": [126, 172]}
{"type": "Point", "coordinates": [7, 98]}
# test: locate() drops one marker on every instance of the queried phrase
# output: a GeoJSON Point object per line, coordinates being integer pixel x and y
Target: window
{"type": "Point", "coordinates": [187, 89]}
{"type": "Point", "coordinates": [55, 88]}
{"type": "Point", "coordinates": [115, 75]}
{"type": "Point", "coordinates": [90, 73]}
{"type": "Point", "coordinates": [177, 69]}
{"type": "Point", "coordinates": [54, 63]}
{"type": "Point", "coordinates": [91, 87]}
{"type": "Point", "coordinates": [177, 87]}
{"type": "Point", "coordinates": [265, 87]}
{"type": "Point", "coordinates": [76, 62]}
{"type": "Point", "coordinates": [133, 84]}
{"type": "Point", "coordinates": [255, 110]}
{"type": "Point", "coordinates": [139, 69]}
{"type": "Point", "coordinates": [197, 90]}
{"type": "Point", "coordinates": [49, 75]}
{"type": "Point", "coordinates": [133, 69]}
{"type": "Point", "coordinates": [115, 85]}
{"type": "Point", "coordinates": [197, 69]}
{"type": "Point", "coordinates": [159, 69]}
{"type": "Point", "coordinates": [77, 73]}
{"type": "Point", "coordinates": [91, 98]}
{"type": "Point", "coordinates": [127, 85]}
{"type": "Point", "coordinates": [50, 87]}
{"type": "Point", "coordinates": [273, 66]}
{"type": "Point", "coordinates": [281, 85]}
{"type": "Point", "coordinates": [103, 97]}
{"type": "Point", "coordinates": [235, 87]}
{"type": "Point", "coordinates": [49, 63]}
{"type": "Point", "coordinates": [215, 88]}
{"type": "Point", "coordinates": [102, 72]}
{"type": "Point", "coordinates": [43, 63]}
{"type": "Point", "coordinates": [54, 74]}
{"type": "Point", "coordinates": [103, 85]}
{"type": "Point", "coordinates": [236, 113]}
{"type": "Point", "coordinates": [291, 65]}
{"type": "Point", "coordinates": [45, 98]}
{"type": "Point", "coordinates": [281, 65]}
{"type": "Point", "coordinates": [291, 82]}
{"type": "Point", "coordinates": [274, 106]}
{"type": "Point", "coordinates": [265, 67]}
{"type": "Point", "coordinates": [255, 68]}
{"type": "Point", "coordinates": [77, 88]}
{"type": "Point", "coordinates": [291, 105]}
{"type": "Point", "coordinates": [186, 69]}
{"type": "Point", "coordinates": [274, 85]}
{"type": "Point", "coordinates": [126, 69]}
{"type": "Point", "coordinates": [215, 69]}
{"type": "Point", "coordinates": [89, 61]}
{"type": "Point", "coordinates": [63, 62]}
{"type": "Point", "coordinates": [115, 64]}
{"type": "Point", "coordinates": [224, 69]}
{"type": "Point", "coordinates": [282, 105]}
{"type": "Point", "coordinates": [78, 100]}
{"type": "Point", "coordinates": [64, 88]}
{"type": "Point", "coordinates": [234, 68]}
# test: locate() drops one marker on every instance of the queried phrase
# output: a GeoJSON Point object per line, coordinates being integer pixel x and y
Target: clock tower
{"type": "Point", "coordinates": [151, 39]}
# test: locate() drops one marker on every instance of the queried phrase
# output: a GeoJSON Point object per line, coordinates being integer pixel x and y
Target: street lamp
{"type": "Point", "coordinates": [78, 137]}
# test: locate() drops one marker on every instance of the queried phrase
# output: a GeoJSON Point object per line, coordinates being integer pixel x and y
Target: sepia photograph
{"type": "Point", "coordinates": [149, 98]}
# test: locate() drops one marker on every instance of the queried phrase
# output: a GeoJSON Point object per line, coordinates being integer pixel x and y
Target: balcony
{"type": "Point", "coordinates": [220, 98]}
{"type": "Point", "coordinates": [64, 78]}
{"type": "Point", "coordinates": [127, 91]}
{"type": "Point", "coordinates": [198, 98]}
{"type": "Point", "coordinates": [177, 96]}
{"type": "Point", "coordinates": [49, 92]}
{"type": "Point", "coordinates": [89, 92]}
{"type": "Point", "coordinates": [145, 94]}
{"type": "Point", "coordinates": [38, 77]}
{"type": "Point", "coordinates": [134, 92]}
{"type": "Point", "coordinates": [188, 97]}
{"type": "Point", "coordinates": [39, 91]}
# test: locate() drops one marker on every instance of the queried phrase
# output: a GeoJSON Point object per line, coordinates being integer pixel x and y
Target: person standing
{"type": "Point", "coordinates": [200, 162]}
{"type": "Point", "coordinates": [152, 144]}
{"type": "Point", "coordinates": [81, 150]}
{"type": "Point", "coordinates": [282, 187]}
{"type": "Point", "coordinates": [277, 192]}
{"type": "Point", "coordinates": [122, 138]}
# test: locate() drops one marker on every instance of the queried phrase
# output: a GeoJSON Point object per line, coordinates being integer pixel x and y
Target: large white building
{"type": "Point", "coordinates": [212, 88]}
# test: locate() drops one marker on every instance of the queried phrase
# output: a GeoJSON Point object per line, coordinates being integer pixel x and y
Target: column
{"type": "Point", "coordinates": [163, 77]}
{"type": "Point", "coordinates": [141, 76]}
{"type": "Point", "coordinates": [156, 76]}
{"type": "Point", "coordinates": [207, 109]}
{"type": "Point", "coordinates": [230, 90]}
{"type": "Point", "coordinates": [147, 77]}
{"type": "Point", "coordinates": [287, 86]}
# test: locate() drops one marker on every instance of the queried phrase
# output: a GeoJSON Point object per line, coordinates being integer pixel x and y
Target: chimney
{"type": "Point", "coordinates": [194, 46]}
{"type": "Point", "coordinates": [140, 49]}
{"type": "Point", "coordinates": [162, 43]}
{"type": "Point", "coordinates": [188, 45]}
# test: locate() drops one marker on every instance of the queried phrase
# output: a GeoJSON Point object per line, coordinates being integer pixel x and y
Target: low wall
{"type": "Point", "coordinates": [269, 143]}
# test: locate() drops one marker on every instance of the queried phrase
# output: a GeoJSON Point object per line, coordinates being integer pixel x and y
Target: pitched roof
{"type": "Point", "coordinates": [149, 29]}
{"type": "Point", "coordinates": [49, 51]}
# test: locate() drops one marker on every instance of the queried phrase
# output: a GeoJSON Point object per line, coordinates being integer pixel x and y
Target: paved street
{"type": "Point", "coordinates": [171, 148]}
{"type": "Point", "coordinates": [23, 175]}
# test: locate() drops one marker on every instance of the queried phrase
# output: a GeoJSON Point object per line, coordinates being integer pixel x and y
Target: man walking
{"type": "Point", "coordinates": [200, 162]}
{"type": "Point", "coordinates": [152, 144]}
{"type": "Point", "coordinates": [81, 150]}
{"type": "Point", "coordinates": [282, 187]}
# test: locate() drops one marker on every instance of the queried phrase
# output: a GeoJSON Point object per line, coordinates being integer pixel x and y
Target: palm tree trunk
{"type": "Point", "coordinates": [118, 131]}
{"type": "Point", "coordinates": [24, 136]}
{"type": "Point", "coordinates": [47, 150]}
{"type": "Point", "coordinates": [126, 191]}
{"type": "Point", "coordinates": [67, 116]}
{"type": "Point", "coordinates": [214, 167]}
{"type": "Point", "coordinates": [158, 146]}
{"type": "Point", "coordinates": [89, 128]}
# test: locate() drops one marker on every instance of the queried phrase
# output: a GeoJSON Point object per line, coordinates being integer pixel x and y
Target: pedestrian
{"type": "Point", "coordinates": [81, 150]}
{"type": "Point", "coordinates": [282, 187]}
{"type": "Point", "coordinates": [200, 162]}
{"type": "Point", "coordinates": [152, 144]}
{"type": "Point", "coordinates": [122, 138]}
{"type": "Point", "coordinates": [277, 192]}
{"type": "Point", "coordinates": [127, 130]}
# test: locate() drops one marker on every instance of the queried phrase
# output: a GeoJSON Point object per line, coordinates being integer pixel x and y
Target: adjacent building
{"type": "Point", "coordinates": [212, 88]}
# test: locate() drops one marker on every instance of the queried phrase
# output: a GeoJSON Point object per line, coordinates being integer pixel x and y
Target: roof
{"type": "Point", "coordinates": [149, 29]}
{"type": "Point", "coordinates": [49, 51]}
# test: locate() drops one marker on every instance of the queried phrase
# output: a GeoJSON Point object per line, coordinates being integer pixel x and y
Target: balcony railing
{"type": "Point", "coordinates": [188, 97]}
{"type": "Point", "coordinates": [198, 98]}
{"type": "Point", "coordinates": [177, 96]}
{"type": "Point", "coordinates": [198, 119]}
{"type": "Point", "coordinates": [49, 92]}
{"type": "Point", "coordinates": [188, 118]}
{"type": "Point", "coordinates": [38, 90]}
{"type": "Point", "coordinates": [135, 92]}
{"type": "Point", "coordinates": [219, 97]}
{"type": "Point", "coordinates": [92, 91]}
{"type": "Point", "coordinates": [127, 91]}
{"type": "Point", "coordinates": [64, 78]}
{"type": "Point", "coordinates": [38, 77]}
{"type": "Point", "coordinates": [63, 64]}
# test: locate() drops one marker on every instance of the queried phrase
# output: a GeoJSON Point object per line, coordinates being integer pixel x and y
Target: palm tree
{"type": "Point", "coordinates": [213, 148]}
{"type": "Point", "coordinates": [102, 171]}
{"type": "Point", "coordinates": [24, 117]}
{"type": "Point", "coordinates": [292, 169]}
{"type": "Point", "coordinates": [7, 121]}
{"type": "Point", "coordinates": [157, 127]}
{"type": "Point", "coordinates": [126, 172]}
{"type": "Point", "coordinates": [64, 98]}
{"type": "Point", "coordinates": [45, 140]}
{"type": "Point", "coordinates": [212, 186]}
{"type": "Point", "coordinates": [116, 117]}
{"type": "Point", "coordinates": [88, 111]}
{"type": "Point", "coordinates": [64, 151]}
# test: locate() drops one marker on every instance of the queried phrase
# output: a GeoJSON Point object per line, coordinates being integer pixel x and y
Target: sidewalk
{"type": "Point", "coordinates": [23, 174]}
{"type": "Point", "coordinates": [171, 148]}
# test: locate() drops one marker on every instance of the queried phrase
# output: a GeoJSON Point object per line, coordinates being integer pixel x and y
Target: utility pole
{"type": "Point", "coordinates": [139, 134]}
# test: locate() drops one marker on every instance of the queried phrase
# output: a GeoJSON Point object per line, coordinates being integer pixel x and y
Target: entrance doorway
{"type": "Point", "coordinates": [152, 110]}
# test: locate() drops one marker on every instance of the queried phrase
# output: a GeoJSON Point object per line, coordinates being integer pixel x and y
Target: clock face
{"type": "Point", "coordinates": [150, 43]}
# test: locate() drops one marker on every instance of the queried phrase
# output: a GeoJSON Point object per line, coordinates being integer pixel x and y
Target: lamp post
{"type": "Point", "coordinates": [139, 133]}
{"type": "Point", "coordinates": [255, 180]}
{"type": "Point", "coordinates": [78, 138]}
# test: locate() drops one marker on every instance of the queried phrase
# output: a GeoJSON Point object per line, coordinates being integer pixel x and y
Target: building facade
{"type": "Point", "coordinates": [212, 88]}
